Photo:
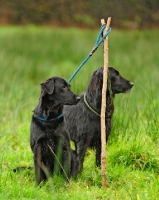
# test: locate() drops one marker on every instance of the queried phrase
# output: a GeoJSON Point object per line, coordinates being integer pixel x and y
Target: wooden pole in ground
{"type": "Point", "coordinates": [103, 108]}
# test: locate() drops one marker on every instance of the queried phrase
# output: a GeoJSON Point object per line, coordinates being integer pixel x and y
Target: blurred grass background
{"type": "Point", "coordinates": [31, 54]}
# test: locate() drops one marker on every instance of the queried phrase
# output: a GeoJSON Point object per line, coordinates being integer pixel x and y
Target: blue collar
{"type": "Point", "coordinates": [45, 120]}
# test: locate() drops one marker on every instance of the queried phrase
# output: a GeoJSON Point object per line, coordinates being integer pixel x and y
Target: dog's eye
{"type": "Point", "coordinates": [63, 86]}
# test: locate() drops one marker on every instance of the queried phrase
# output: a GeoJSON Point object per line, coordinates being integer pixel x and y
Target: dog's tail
{"type": "Point", "coordinates": [21, 168]}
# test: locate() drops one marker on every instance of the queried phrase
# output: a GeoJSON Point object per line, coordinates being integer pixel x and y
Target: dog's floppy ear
{"type": "Point", "coordinates": [48, 86]}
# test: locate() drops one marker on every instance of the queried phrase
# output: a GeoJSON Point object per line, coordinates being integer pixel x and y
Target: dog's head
{"type": "Point", "coordinates": [58, 90]}
{"type": "Point", "coordinates": [118, 83]}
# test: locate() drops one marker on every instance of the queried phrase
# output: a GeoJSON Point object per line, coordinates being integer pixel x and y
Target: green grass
{"type": "Point", "coordinates": [28, 56]}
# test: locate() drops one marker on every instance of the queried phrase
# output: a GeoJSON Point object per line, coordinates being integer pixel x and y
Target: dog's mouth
{"type": "Point", "coordinates": [128, 90]}
{"type": "Point", "coordinates": [73, 101]}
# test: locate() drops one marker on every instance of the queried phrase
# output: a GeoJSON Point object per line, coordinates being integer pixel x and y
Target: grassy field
{"type": "Point", "coordinates": [28, 56]}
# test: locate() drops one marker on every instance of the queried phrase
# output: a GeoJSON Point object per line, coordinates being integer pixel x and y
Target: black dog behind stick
{"type": "Point", "coordinates": [49, 139]}
{"type": "Point", "coordinates": [83, 119]}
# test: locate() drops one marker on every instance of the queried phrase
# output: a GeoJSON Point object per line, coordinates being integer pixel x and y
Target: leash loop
{"type": "Point", "coordinates": [99, 40]}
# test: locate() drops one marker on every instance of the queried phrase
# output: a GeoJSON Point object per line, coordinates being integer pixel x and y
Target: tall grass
{"type": "Point", "coordinates": [29, 55]}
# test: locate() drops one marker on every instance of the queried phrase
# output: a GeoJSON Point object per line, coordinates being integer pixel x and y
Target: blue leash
{"type": "Point", "coordinates": [98, 42]}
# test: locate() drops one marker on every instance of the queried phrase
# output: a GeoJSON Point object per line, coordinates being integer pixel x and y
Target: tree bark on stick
{"type": "Point", "coordinates": [103, 108]}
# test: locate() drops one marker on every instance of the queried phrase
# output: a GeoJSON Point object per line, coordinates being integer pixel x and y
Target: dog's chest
{"type": "Point", "coordinates": [50, 144]}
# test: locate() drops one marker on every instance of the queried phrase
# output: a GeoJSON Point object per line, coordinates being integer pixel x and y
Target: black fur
{"type": "Point", "coordinates": [49, 140]}
{"type": "Point", "coordinates": [83, 124]}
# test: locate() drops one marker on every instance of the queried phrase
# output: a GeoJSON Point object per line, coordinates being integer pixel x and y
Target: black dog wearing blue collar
{"type": "Point", "coordinates": [49, 139]}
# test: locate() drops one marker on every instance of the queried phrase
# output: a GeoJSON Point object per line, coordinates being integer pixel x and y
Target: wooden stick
{"type": "Point", "coordinates": [103, 108]}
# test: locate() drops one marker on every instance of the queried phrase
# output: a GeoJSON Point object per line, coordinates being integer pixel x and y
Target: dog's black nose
{"type": "Point", "coordinates": [78, 98]}
{"type": "Point", "coordinates": [131, 83]}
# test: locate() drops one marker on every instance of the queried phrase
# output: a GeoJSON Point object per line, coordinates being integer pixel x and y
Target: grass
{"type": "Point", "coordinates": [28, 56]}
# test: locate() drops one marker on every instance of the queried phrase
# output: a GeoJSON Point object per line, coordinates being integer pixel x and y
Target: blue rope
{"type": "Point", "coordinates": [98, 42]}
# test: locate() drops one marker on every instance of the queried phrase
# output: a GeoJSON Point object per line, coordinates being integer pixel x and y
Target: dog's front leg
{"type": "Point", "coordinates": [67, 165]}
{"type": "Point", "coordinates": [98, 150]}
{"type": "Point", "coordinates": [81, 149]}
{"type": "Point", "coordinates": [41, 172]}
{"type": "Point", "coordinates": [75, 163]}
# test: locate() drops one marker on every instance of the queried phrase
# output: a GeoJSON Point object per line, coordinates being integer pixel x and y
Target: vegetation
{"type": "Point", "coordinates": [28, 56]}
{"type": "Point", "coordinates": [86, 13]}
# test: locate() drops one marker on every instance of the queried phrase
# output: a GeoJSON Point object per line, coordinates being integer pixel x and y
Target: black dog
{"type": "Point", "coordinates": [83, 119]}
{"type": "Point", "coordinates": [49, 139]}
